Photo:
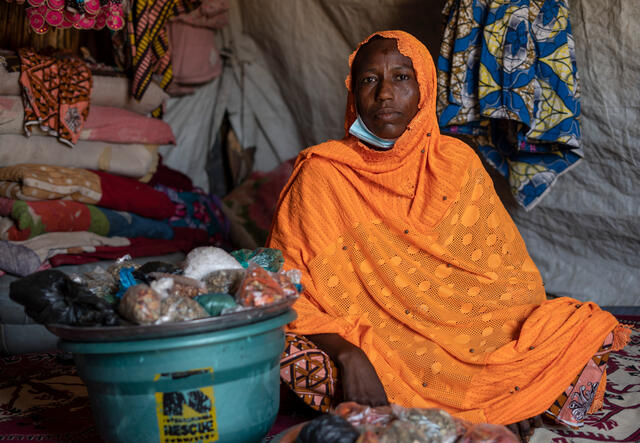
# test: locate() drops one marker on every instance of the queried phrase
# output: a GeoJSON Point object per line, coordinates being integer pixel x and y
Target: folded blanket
{"type": "Point", "coordinates": [131, 160]}
{"type": "Point", "coordinates": [35, 218]}
{"type": "Point", "coordinates": [55, 94]}
{"type": "Point", "coordinates": [34, 182]}
{"type": "Point", "coordinates": [184, 239]}
{"type": "Point", "coordinates": [199, 210]}
{"type": "Point", "coordinates": [170, 177]}
{"type": "Point", "coordinates": [104, 123]}
{"type": "Point", "coordinates": [24, 257]}
{"type": "Point", "coordinates": [107, 91]}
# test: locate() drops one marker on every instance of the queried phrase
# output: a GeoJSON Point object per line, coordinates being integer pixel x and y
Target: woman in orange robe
{"type": "Point", "coordinates": [417, 282]}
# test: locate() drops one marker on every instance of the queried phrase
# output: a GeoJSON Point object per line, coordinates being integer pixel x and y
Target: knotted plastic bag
{"type": "Point", "coordinates": [270, 259]}
{"type": "Point", "coordinates": [214, 304]}
{"type": "Point", "coordinates": [52, 297]}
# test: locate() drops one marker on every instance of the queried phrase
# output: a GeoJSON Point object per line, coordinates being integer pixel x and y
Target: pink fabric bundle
{"type": "Point", "coordinates": [194, 56]}
{"type": "Point", "coordinates": [104, 123]}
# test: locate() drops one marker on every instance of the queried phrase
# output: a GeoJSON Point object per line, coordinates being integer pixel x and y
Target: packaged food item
{"type": "Point", "coordinates": [327, 428]}
{"type": "Point", "coordinates": [420, 426]}
{"type": "Point", "coordinates": [364, 417]}
{"type": "Point", "coordinates": [259, 288]}
{"type": "Point", "coordinates": [175, 308]}
{"type": "Point", "coordinates": [396, 424]}
{"type": "Point", "coordinates": [215, 304]}
{"type": "Point", "coordinates": [123, 262]}
{"type": "Point", "coordinates": [270, 259]}
{"type": "Point", "coordinates": [181, 286]}
{"type": "Point", "coordinates": [99, 282]}
{"type": "Point", "coordinates": [141, 304]}
{"type": "Point", "coordinates": [224, 281]}
{"type": "Point", "coordinates": [488, 433]}
{"type": "Point", "coordinates": [289, 289]}
{"type": "Point", "coordinates": [206, 259]}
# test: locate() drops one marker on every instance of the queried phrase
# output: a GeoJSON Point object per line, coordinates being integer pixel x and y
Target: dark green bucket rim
{"type": "Point", "coordinates": [181, 341]}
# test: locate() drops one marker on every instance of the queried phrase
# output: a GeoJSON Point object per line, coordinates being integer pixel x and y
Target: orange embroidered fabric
{"type": "Point", "coordinates": [410, 255]}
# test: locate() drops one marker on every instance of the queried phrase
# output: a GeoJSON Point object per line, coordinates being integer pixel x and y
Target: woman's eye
{"type": "Point", "coordinates": [369, 79]}
{"type": "Point", "coordinates": [403, 77]}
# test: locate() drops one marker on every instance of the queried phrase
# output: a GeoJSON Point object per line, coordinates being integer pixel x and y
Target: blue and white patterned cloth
{"type": "Point", "coordinates": [507, 77]}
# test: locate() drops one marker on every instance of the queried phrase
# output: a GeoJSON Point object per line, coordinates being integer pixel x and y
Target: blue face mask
{"type": "Point", "coordinates": [360, 130]}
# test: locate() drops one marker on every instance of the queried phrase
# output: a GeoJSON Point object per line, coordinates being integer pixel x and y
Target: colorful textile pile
{"type": "Point", "coordinates": [55, 95]}
{"type": "Point", "coordinates": [33, 182]}
{"type": "Point", "coordinates": [78, 14]}
{"type": "Point", "coordinates": [197, 210]}
{"type": "Point", "coordinates": [39, 217]}
{"type": "Point", "coordinates": [60, 205]}
{"type": "Point", "coordinates": [507, 77]}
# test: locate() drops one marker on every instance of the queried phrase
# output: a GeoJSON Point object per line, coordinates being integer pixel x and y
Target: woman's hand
{"type": "Point", "coordinates": [360, 382]}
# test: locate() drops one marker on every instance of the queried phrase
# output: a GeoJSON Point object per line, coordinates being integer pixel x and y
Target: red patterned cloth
{"type": "Point", "coordinates": [55, 94]}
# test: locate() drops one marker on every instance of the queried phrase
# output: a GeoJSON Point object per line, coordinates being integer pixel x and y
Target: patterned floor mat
{"type": "Point", "coordinates": [619, 420]}
{"type": "Point", "coordinates": [43, 399]}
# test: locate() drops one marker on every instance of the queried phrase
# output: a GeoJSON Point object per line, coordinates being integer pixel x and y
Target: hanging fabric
{"type": "Point", "coordinates": [507, 77]}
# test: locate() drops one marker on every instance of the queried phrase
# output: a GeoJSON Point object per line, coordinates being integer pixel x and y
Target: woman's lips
{"type": "Point", "coordinates": [387, 114]}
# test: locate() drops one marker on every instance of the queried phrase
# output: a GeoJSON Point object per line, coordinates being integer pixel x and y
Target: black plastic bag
{"type": "Point", "coordinates": [328, 428]}
{"type": "Point", "coordinates": [52, 297]}
{"type": "Point", "coordinates": [142, 273]}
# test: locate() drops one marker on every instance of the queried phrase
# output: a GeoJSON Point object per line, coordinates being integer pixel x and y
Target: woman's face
{"type": "Point", "coordinates": [385, 87]}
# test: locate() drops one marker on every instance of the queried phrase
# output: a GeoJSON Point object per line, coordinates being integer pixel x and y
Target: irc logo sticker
{"type": "Point", "coordinates": [185, 406]}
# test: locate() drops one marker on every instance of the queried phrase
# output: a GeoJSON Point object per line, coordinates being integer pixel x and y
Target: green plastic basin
{"type": "Point", "coordinates": [217, 386]}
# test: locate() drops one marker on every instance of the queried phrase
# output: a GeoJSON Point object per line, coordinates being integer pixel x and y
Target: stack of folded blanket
{"type": "Point", "coordinates": [80, 176]}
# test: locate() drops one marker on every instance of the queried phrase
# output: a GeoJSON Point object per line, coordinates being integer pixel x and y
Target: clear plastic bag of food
{"type": "Point", "coordinates": [224, 281]}
{"type": "Point", "coordinates": [206, 259]}
{"type": "Point", "coordinates": [181, 286]}
{"type": "Point", "coordinates": [176, 308]}
{"type": "Point", "coordinates": [123, 262]}
{"type": "Point", "coordinates": [487, 433]}
{"type": "Point", "coordinates": [420, 426]}
{"type": "Point", "coordinates": [261, 287]}
{"type": "Point", "coordinates": [364, 417]}
{"type": "Point", "coordinates": [141, 304]}
{"type": "Point", "coordinates": [99, 282]}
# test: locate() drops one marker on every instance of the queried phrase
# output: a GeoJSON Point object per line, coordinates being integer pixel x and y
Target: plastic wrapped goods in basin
{"type": "Point", "coordinates": [220, 385]}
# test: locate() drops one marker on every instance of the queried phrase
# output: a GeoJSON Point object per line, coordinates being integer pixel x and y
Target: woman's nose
{"type": "Point", "coordinates": [385, 90]}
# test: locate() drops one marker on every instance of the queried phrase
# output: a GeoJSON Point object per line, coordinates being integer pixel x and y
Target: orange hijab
{"type": "Point", "coordinates": [410, 255]}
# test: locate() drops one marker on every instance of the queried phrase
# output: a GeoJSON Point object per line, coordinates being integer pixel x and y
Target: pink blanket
{"type": "Point", "coordinates": [104, 123]}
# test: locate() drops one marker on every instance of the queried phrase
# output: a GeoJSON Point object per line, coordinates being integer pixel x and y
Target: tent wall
{"type": "Point", "coordinates": [288, 68]}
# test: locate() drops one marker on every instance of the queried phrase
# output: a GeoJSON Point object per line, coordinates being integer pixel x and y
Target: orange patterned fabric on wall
{"type": "Point", "coordinates": [410, 255]}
